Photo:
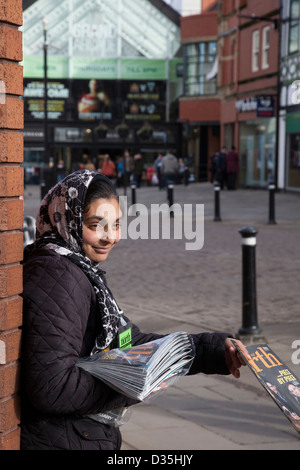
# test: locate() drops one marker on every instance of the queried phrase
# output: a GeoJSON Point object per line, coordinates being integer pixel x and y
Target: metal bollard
{"type": "Point", "coordinates": [217, 189]}
{"type": "Point", "coordinates": [133, 198]}
{"type": "Point", "coordinates": [171, 197]}
{"type": "Point", "coordinates": [249, 303]}
{"type": "Point", "coordinates": [272, 189]}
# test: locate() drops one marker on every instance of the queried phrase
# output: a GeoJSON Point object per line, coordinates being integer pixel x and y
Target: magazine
{"type": "Point", "coordinates": [144, 370]}
{"type": "Point", "coordinates": [277, 378]}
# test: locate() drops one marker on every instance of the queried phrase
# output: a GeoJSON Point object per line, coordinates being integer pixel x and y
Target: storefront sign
{"type": "Point", "coordinates": [57, 95]}
{"type": "Point", "coordinates": [143, 69]}
{"type": "Point", "coordinates": [58, 67]}
{"type": "Point", "coordinates": [263, 105]}
{"type": "Point", "coordinates": [87, 68]}
{"type": "Point", "coordinates": [103, 68]}
{"type": "Point", "coordinates": [250, 104]}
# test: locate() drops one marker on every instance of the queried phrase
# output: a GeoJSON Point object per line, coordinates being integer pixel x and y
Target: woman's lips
{"type": "Point", "coordinates": [101, 249]}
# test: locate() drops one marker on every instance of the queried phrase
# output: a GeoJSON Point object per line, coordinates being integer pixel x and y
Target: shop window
{"type": "Point", "coordinates": [265, 47]}
{"type": "Point", "coordinates": [293, 37]}
{"type": "Point", "coordinates": [257, 151]}
{"type": "Point", "coordinates": [294, 161]}
{"type": "Point", "coordinates": [255, 51]}
{"type": "Point", "coordinates": [199, 63]}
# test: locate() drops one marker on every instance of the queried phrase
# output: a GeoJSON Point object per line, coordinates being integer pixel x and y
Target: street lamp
{"type": "Point", "coordinates": [44, 159]}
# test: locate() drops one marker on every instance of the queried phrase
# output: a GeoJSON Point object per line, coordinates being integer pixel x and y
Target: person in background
{"type": "Point", "coordinates": [90, 165]}
{"type": "Point", "coordinates": [100, 163]}
{"type": "Point", "coordinates": [108, 168]}
{"type": "Point", "coordinates": [157, 170]}
{"type": "Point", "coordinates": [232, 168]}
{"type": "Point", "coordinates": [221, 167]}
{"type": "Point", "coordinates": [169, 168]}
{"type": "Point", "coordinates": [60, 171]}
{"type": "Point", "coordinates": [120, 172]}
{"type": "Point", "coordinates": [138, 168]}
{"type": "Point", "coordinates": [128, 167]}
{"type": "Point", "coordinates": [213, 167]}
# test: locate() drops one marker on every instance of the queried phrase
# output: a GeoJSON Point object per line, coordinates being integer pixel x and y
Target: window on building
{"type": "Point", "coordinates": [255, 51]}
{"type": "Point", "coordinates": [265, 47]}
{"type": "Point", "coordinates": [199, 62]}
{"type": "Point", "coordinates": [294, 26]}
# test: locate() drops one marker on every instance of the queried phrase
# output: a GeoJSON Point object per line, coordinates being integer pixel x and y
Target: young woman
{"type": "Point", "coordinates": [69, 312]}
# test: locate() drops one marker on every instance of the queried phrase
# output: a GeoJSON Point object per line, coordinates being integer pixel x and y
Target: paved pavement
{"type": "Point", "coordinates": [164, 288]}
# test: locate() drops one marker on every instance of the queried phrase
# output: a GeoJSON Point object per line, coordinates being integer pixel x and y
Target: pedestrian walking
{"type": "Point", "coordinates": [138, 168]}
{"type": "Point", "coordinates": [169, 168]}
{"type": "Point", "coordinates": [120, 172]}
{"type": "Point", "coordinates": [108, 167]}
{"type": "Point", "coordinates": [70, 312]}
{"type": "Point", "coordinates": [232, 168]}
{"type": "Point", "coordinates": [213, 167]}
{"type": "Point", "coordinates": [157, 170]}
{"type": "Point", "coordinates": [221, 167]}
{"type": "Point", "coordinates": [128, 167]}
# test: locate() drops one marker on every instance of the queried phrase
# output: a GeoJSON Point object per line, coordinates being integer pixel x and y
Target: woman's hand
{"type": "Point", "coordinates": [233, 358]}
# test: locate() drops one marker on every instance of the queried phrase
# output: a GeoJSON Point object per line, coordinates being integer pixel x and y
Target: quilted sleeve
{"type": "Point", "coordinates": [210, 354]}
{"type": "Point", "coordinates": [56, 308]}
{"type": "Point", "coordinates": [210, 350]}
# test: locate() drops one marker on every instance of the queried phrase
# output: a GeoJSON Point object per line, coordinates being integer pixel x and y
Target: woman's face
{"type": "Point", "coordinates": [101, 228]}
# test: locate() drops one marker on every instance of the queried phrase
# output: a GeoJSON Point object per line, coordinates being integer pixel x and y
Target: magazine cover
{"type": "Point", "coordinates": [277, 378]}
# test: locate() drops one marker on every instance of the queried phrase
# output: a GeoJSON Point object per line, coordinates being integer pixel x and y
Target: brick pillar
{"type": "Point", "coordinates": [11, 219]}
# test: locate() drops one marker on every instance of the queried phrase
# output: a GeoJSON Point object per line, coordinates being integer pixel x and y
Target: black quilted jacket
{"type": "Point", "coordinates": [60, 325]}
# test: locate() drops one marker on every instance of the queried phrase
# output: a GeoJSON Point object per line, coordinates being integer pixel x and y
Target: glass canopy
{"type": "Point", "coordinates": [100, 29]}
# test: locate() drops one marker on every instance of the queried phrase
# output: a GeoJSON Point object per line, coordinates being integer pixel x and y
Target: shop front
{"type": "Point", "coordinates": [293, 151]}
{"type": "Point", "coordinates": [257, 141]}
{"type": "Point", "coordinates": [99, 78]}
{"type": "Point", "coordinates": [90, 118]}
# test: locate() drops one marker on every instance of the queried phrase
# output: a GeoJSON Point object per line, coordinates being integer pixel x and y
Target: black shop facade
{"type": "Point", "coordinates": [88, 118]}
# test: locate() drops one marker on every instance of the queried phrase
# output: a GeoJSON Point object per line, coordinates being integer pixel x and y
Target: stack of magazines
{"type": "Point", "coordinates": [142, 371]}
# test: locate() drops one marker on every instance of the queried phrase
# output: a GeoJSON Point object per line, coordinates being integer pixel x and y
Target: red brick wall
{"type": "Point", "coordinates": [199, 109]}
{"type": "Point", "coordinates": [11, 219]}
{"type": "Point", "coordinates": [198, 27]}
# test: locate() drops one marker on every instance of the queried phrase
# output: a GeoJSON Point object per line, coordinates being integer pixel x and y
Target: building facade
{"type": "Point", "coordinates": [108, 64]}
{"type": "Point", "coordinates": [199, 105]}
{"type": "Point", "coordinates": [238, 104]}
{"type": "Point", "coordinates": [248, 85]}
{"type": "Point", "coordinates": [289, 124]}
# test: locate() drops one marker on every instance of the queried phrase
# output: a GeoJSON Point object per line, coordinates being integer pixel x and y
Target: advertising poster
{"type": "Point", "coordinates": [144, 100]}
{"type": "Point", "coordinates": [57, 97]}
{"type": "Point", "coordinates": [95, 100]}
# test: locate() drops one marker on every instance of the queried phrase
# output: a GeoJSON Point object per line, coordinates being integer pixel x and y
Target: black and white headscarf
{"type": "Point", "coordinates": [59, 227]}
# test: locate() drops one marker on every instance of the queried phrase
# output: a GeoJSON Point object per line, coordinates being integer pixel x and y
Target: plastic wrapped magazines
{"type": "Point", "coordinates": [141, 372]}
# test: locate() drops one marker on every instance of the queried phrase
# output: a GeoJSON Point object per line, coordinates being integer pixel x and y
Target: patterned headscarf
{"type": "Point", "coordinates": [59, 228]}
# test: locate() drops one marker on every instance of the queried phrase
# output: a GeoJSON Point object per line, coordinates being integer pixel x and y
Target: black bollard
{"type": "Point", "coordinates": [217, 189]}
{"type": "Point", "coordinates": [272, 189]}
{"type": "Point", "coordinates": [133, 198]}
{"type": "Point", "coordinates": [249, 327]}
{"type": "Point", "coordinates": [171, 197]}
